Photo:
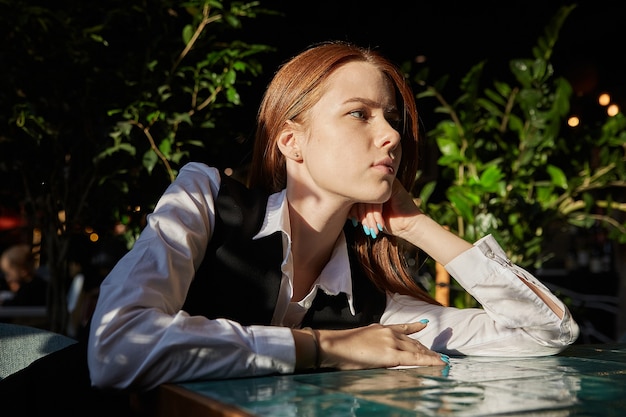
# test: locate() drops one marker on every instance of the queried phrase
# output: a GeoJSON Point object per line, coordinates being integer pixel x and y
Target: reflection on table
{"type": "Point", "coordinates": [587, 380]}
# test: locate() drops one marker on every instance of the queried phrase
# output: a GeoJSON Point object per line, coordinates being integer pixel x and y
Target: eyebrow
{"type": "Point", "coordinates": [372, 103]}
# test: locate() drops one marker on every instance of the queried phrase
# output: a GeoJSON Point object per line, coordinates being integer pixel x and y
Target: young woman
{"type": "Point", "coordinates": [302, 268]}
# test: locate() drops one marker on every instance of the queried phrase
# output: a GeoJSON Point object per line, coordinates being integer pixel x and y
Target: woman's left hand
{"type": "Point", "coordinates": [395, 217]}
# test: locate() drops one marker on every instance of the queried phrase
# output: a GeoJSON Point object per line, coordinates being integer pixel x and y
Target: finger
{"type": "Point", "coordinates": [370, 222]}
{"type": "Point", "coordinates": [412, 352]}
{"type": "Point", "coordinates": [360, 213]}
{"type": "Point", "coordinates": [379, 220]}
{"type": "Point", "coordinates": [374, 219]}
{"type": "Point", "coordinates": [429, 356]}
{"type": "Point", "coordinates": [409, 328]}
{"type": "Point", "coordinates": [370, 216]}
{"type": "Point", "coordinates": [355, 215]}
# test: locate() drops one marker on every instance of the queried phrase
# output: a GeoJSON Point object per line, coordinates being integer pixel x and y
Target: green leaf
{"type": "Point", "coordinates": [230, 77]}
{"type": "Point", "coordinates": [490, 178]}
{"type": "Point", "coordinates": [545, 196]}
{"type": "Point", "coordinates": [149, 160]}
{"type": "Point", "coordinates": [447, 146]}
{"type": "Point", "coordinates": [182, 118]}
{"type": "Point", "coordinates": [464, 201]}
{"type": "Point", "coordinates": [427, 191]}
{"type": "Point", "coordinates": [188, 32]}
{"type": "Point", "coordinates": [557, 176]}
{"type": "Point", "coordinates": [521, 70]}
{"type": "Point", "coordinates": [165, 147]}
{"type": "Point", "coordinates": [233, 96]}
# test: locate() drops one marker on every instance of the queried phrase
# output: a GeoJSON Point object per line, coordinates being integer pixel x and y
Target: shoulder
{"type": "Point", "coordinates": [197, 176]}
{"type": "Point", "coordinates": [199, 170]}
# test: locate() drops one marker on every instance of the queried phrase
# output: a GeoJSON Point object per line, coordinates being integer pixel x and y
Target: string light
{"type": "Point", "coordinates": [604, 99]}
{"type": "Point", "coordinates": [573, 121]}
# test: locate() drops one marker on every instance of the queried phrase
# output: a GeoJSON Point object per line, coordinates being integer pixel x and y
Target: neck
{"type": "Point", "coordinates": [311, 242]}
{"type": "Point", "coordinates": [314, 231]}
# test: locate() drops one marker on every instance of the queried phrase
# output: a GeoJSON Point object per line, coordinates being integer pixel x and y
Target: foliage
{"type": "Point", "coordinates": [507, 168]}
{"type": "Point", "coordinates": [100, 103]}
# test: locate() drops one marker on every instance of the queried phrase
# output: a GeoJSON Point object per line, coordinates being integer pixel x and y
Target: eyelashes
{"type": "Point", "coordinates": [358, 114]}
{"type": "Point", "coordinates": [393, 121]}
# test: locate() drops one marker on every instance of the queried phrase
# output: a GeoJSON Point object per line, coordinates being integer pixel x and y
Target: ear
{"type": "Point", "coordinates": [288, 140]}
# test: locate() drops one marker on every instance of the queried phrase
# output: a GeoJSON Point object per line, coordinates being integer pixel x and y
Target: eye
{"type": "Point", "coordinates": [358, 114]}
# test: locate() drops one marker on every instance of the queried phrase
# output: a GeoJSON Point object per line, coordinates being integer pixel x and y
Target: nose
{"type": "Point", "coordinates": [388, 136]}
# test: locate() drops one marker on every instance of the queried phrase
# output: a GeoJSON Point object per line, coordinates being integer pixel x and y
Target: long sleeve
{"type": "Point", "coordinates": [513, 320]}
{"type": "Point", "coordinates": [139, 335]}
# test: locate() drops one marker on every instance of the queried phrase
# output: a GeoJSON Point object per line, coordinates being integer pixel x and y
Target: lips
{"type": "Point", "coordinates": [386, 163]}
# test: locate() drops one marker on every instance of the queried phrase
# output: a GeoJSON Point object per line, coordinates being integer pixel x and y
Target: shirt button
{"type": "Point", "coordinates": [307, 304]}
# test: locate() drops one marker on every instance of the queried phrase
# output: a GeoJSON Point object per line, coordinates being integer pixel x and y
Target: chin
{"type": "Point", "coordinates": [381, 199]}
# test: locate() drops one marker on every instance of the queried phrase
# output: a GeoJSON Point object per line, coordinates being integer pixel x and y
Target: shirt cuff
{"type": "Point", "coordinates": [275, 349]}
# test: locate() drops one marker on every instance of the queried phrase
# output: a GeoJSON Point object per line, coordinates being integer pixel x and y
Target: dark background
{"type": "Point", "coordinates": [455, 35]}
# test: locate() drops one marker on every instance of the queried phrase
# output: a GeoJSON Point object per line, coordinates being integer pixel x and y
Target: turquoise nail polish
{"type": "Point", "coordinates": [445, 358]}
{"type": "Point", "coordinates": [354, 221]}
{"type": "Point", "coordinates": [424, 321]}
{"type": "Point", "coordinates": [380, 227]}
{"type": "Point", "coordinates": [366, 230]}
{"type": "Point", "coordinates": [373, 233]}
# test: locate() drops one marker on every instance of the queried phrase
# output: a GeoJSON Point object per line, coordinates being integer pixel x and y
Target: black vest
{"type": "Point", "coordinates": [239, 278]}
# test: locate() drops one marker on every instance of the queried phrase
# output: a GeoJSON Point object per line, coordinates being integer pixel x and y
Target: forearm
{"type": "Point", "coordinates": [438, 242]}
{"type": "Point", "coordinates": [153, 348]}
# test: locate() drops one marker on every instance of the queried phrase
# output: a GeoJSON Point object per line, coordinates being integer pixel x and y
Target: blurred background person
{"type": "Point", "coordinates": [25, 287]}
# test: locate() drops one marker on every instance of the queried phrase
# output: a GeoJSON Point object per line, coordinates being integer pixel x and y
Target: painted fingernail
{"type": "Point", "coordinates": [355, 223]}
{"type": "Point", "coordinates": [424, 321]}
{"type": "Point", "coordinates": [380, 226]}
{"type": "Point", "coordinates": [445, 358]}
{"type": "Point", "coordinates": [373, 233]}
{"type": "Point", "coordinates": [366, 230]}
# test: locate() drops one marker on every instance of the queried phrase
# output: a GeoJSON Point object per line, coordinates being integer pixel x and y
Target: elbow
{"type": "Point", "coordinates": [107, 359]}
{"type": "Point", "coordinates": [549, 345]}
{"type": "Point", "coordinates": [571, 331]}
{"type": "Point", "coordinates": [106, 368]}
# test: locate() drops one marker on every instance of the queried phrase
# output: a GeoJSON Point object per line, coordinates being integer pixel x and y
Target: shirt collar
{"type": "Point", "coordinates": [276, 216]}
{"type": "Point", "coordinates": [336, 275]}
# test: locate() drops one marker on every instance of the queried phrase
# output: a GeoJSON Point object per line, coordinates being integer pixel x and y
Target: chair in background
{"type": "Point", "coordinates": [21, 345]}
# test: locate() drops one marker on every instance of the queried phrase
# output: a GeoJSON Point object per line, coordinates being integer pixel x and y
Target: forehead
{"type": "Point", "coordinates": [360, 79]}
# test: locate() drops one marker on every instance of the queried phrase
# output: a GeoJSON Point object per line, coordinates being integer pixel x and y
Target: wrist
{"type": "Point", "coordinates": [415, 231]}
{"type": "Point", "coordinates": [316, 345]}
{"type": "Point", "coordinates": [434, 239]}
{"type": "Point", "coordinates": [308, 354]}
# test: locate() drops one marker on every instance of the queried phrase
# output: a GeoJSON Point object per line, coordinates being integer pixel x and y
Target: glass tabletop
{"type": "Point", "coordinates": [584, 380]}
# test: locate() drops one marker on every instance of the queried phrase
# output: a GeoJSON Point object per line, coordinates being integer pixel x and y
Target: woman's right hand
{"type": "Point", "coordinates": [375, 346]}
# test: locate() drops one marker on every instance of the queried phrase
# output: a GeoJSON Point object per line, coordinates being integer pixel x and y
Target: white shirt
{"type": "Point", "coordinates": [140, 336]}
